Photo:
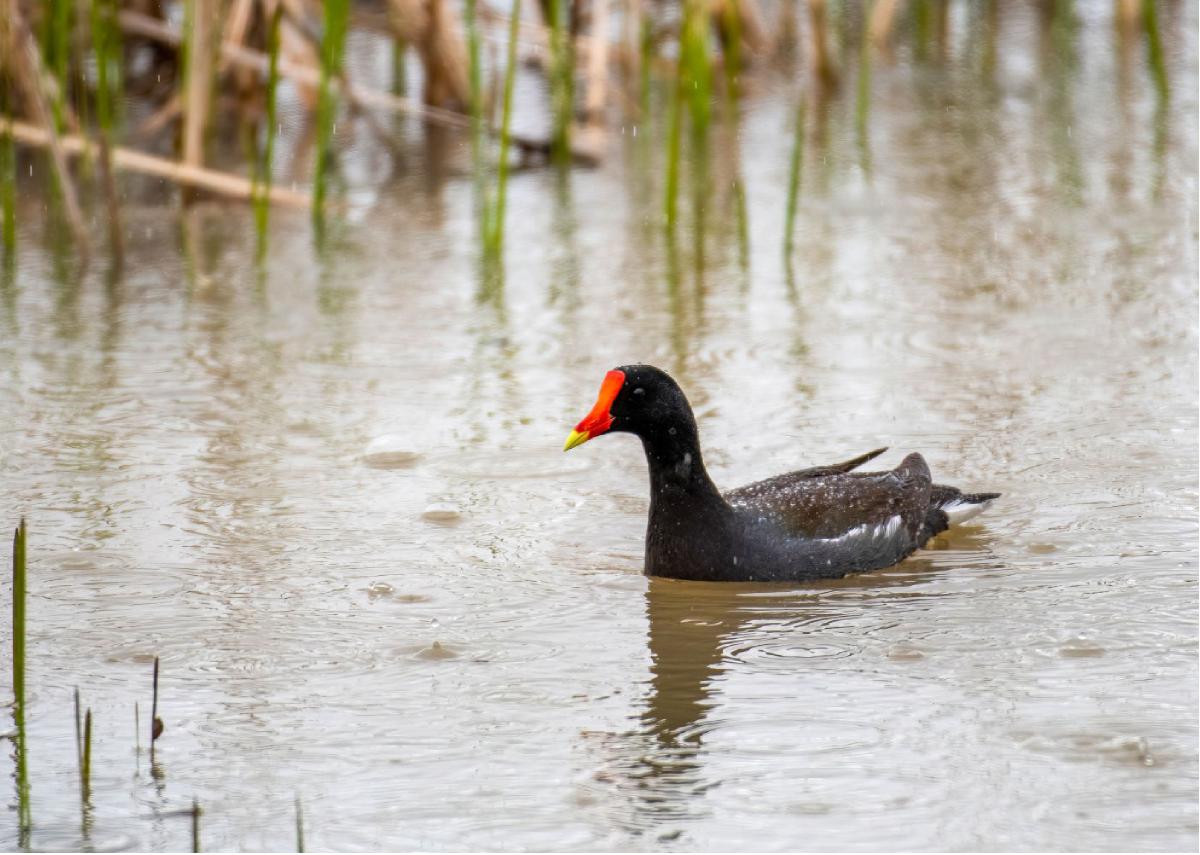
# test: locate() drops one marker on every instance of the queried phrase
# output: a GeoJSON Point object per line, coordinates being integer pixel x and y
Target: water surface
{"type": "Point", "coordinates": [329, 493]}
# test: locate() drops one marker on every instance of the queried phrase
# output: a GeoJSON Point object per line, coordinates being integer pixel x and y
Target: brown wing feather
{"type": "Point", "coordinates": [827, 506]}
{"type": "Point", "coordinates": [778, 482]}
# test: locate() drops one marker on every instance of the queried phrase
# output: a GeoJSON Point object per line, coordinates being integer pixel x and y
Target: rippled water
{"type": "Point", "coordinates": [331, 498]}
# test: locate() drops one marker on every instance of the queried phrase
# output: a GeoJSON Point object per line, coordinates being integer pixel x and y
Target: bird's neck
{"type": "Point", "coordinates": [690, 525]}
{"type": "Point", "coordinates": [677, 467]}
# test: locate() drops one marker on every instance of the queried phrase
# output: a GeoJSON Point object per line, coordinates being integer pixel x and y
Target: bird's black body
{"type": "Point", "coordinates": [824, 522]}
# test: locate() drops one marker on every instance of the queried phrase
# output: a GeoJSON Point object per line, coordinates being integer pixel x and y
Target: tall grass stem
{"type": "Point", "coordinates": [562, 79]}
{"type": "Point", "coordinates": [333, 46]}
{"type": "Point", "coordinates": [299, 825]}
{"type": "Point", "coordinates": [674, 139]}
{"type": "Point", "coordinates": [85, 768]}
{"type": "Point", "coordinates": [24, 813]}
{"type": "Point", "coordinates": [795, 168]}
{"type": "Point", "coordinates": [495, 231]}
{"type": "Point", "coordinates": [1154, 49]}
{"type": "Point", "coordinates": [263, 174]}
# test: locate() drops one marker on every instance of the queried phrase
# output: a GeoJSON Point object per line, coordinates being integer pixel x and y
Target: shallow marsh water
{"type": "Point", "coordinates": [329, 494]}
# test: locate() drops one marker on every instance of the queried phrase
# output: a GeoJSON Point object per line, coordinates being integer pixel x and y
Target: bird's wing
{"type": "Point", "coordinates": [842, 504]}
{"type": "Point", "coordinates": [833, 468]}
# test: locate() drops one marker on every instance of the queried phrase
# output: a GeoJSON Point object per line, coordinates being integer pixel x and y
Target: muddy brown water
{"type": "Point", "coordinates": [330, 494]}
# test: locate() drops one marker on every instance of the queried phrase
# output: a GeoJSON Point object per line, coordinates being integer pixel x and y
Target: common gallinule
{"type": "Point", "coordinates": [817, 523]}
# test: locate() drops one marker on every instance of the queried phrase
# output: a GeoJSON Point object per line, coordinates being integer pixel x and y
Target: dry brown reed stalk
{"type": "Point", "coordinates": [788, 31]}
{"type": "Point", "coordinates": [237, 30]}
{"type": "Point", "coordinates": [597, 69]}
{"type": "Point", "coordinates": [308, 75]}
{"type": "Point", "coordinates": [24, 64]}
{"type": "Point", "coordinates": [536, 36]}
{"type": "Point", "coordinates": [196, 177]}
{"type": "Point", "coordinates": [357, 108]}
{"type": "Point", "coordinates": [156, 723]}
{"type": "Point", "coordinates": [740, 20]}
{"type": "Point", "coordinates": [200, 55]}
{"type": "Point", "coordinates": [433, 27]}
{"type": "Point", "coordinates": [1129, 14]}
{"type": "Point", "coordinates": [822, 62]}
{"type": "Point", "coordinates": [881, 21]}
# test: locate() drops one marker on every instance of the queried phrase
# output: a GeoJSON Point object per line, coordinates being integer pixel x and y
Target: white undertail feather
{"type": "Point", "coordinates": [959, 511]}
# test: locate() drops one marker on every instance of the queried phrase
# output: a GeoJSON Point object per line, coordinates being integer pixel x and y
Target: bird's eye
{"type": "Point", "coordinates": [639, 391]}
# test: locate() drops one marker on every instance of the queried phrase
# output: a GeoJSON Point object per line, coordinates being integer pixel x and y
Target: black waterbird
{"type": "Point", "coordinates": [818, 523]}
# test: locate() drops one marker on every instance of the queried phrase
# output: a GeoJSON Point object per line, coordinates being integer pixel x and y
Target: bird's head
{"type": "Point", "coordinates": [638, 399]}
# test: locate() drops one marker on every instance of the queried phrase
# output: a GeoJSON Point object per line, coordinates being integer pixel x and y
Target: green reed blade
{"type": "Point", "coordinates": [495, 234]}
{"type": "Point", "coordinates": [78, 730]}
{"type": "Point", "coordinates": [263, 174]}
{"type": "Point", "coordinates": [694, 62]}
{"type": "Point", "coordinates": [646, 47]}
{"type": "Point", "coordinates": [474, 80]}
{"type": "Point", "coordinates": [562, 79]}
{"type": "Point", "coordinates": [8, 185]}
{"type": "Point", "coordinates": [399, 71]}
{"type": "Point", "coordinates": [862, 101]}
{"type": "Point", "coordinates": [333, 46]}
{"type": "Point", "coordinates": [24, 813]}
{"type": "Point", "coordinates": [299, 825]}
{"type": "Point", "coordinates": [85, 768]}
{"type": "Point", "coordinates": [18, 610]}
{"type": "Point", "coordinates": [743, 223]}
{"type": "Point", "coordinates": [1154, 52]}
{"type": "Point", "coordinates": [922, 29]}
{"type": "Point", "coordinates": [794, 170]}
{"type": "Point", "coordinates": [106, 47]}
{"type": "Point", "coordinates": [56, 53]}
{"type": "Point", "coordinates": [106, 43]}
{"type": "Point", "coordinates": [196, 825]}
{"type": "Point", "coordinates": [674, 135]}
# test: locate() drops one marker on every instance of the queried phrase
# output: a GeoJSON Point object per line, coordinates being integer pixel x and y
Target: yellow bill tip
{"type": "Point", "coordinates": [576, 438]}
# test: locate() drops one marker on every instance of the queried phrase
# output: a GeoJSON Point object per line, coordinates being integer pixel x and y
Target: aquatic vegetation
{"type": "Point", "coordinates": [862, 102]}
{"type": "Point", "coordinates": [694, 66]}
{"type": "Point", "coordinates": [475, 90]}
{"type": "Point", "coordinates": [299, 825]}
{"type": "Point", "coordinates": [18, 615]}
{"type": "Point", "coordinates": [265, 165]}
{"type": "Point", "coordinates": [562, 78]}
{"type": "Point", "coordinates": [725, 38]}
{"type": "Point", "coordinates": [795, 167]}
{"type": "Point", "coordinates": [333, 45]}
{"type": "Point", "coordinates": [674, 145]}
{"type": "Point", "coordinates": [399, 72]}
{"type": "Point", "coordinates": [85, 766]}
{"type": "Point", "coordinates": [645, 59]}
{"type": "Point", "coordinates": [24, 814]}
{"type": "Point", "coordinates": [196, 825]}
{"type": "Point", "coordinates": [494, 220]}
{"type": "Point", "coordinates": [156, 723]}
{"type": "Point", "coordinates": [56, 53]}
{"type": "Point", "coordinates": [106, 46]}
{"type": "Point", "coordinates": [732, 19]}
{"type": "Point", "coordinates": [8, 189]}
{"type": "Point", "coordinates": [1154, 50]}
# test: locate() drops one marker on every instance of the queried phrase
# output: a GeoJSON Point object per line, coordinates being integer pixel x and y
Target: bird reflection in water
{"type": "Point", "coordinates": [697, 632]}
